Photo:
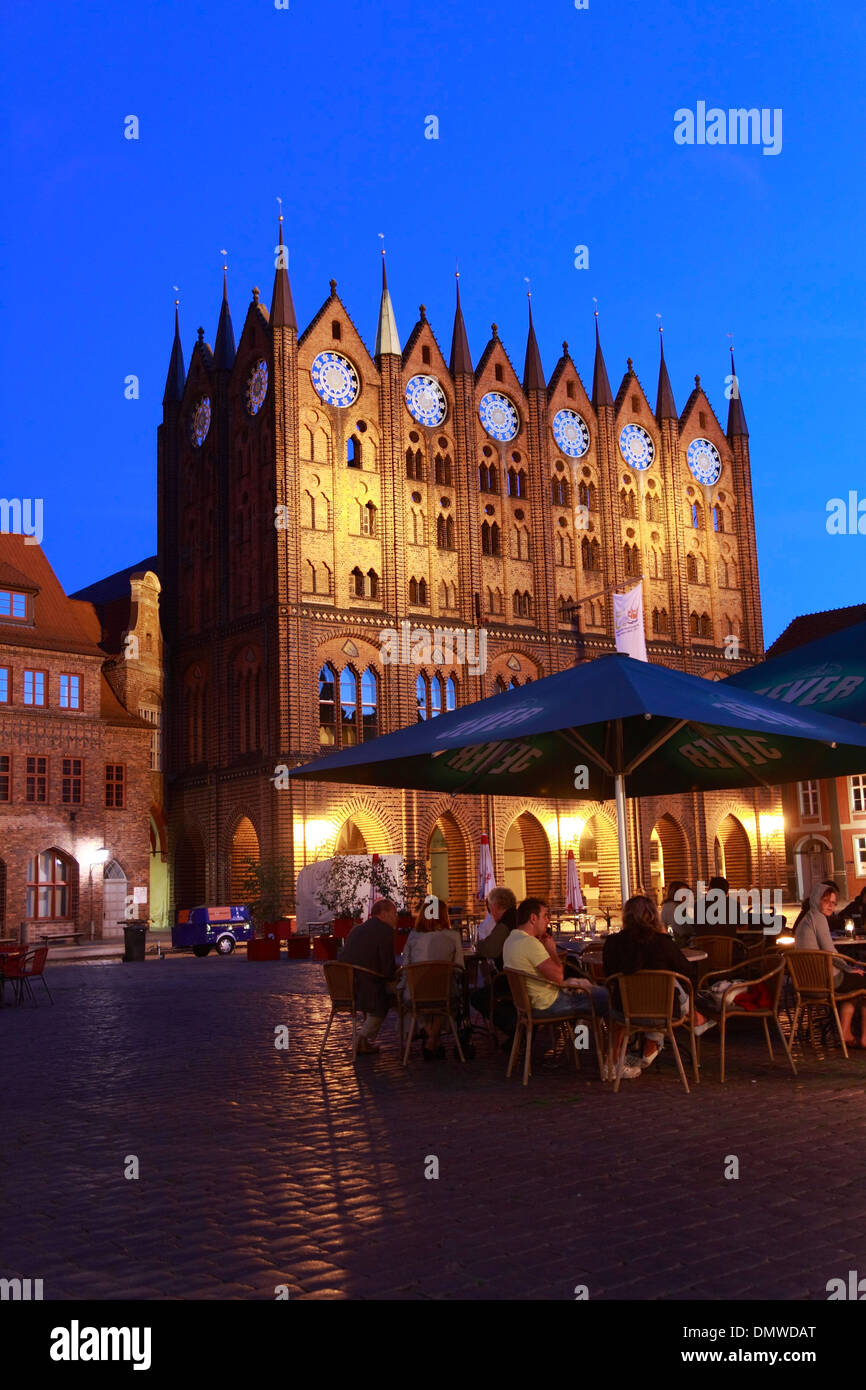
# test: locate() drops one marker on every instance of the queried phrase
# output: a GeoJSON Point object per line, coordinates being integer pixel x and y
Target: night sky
{"type": "Point", "coordinates": [556, 129]}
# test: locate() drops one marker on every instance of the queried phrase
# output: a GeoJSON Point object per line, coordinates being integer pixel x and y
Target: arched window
{"type": "Point", "coordinates": [631, 558]}
{"type": "Point", "coordinates": [442, 469]}
{"type": "Point", "coordinates": [560, 492]}
{"type": "Point", "coordinates": [694, 625]}
{"type": "Point", "coordinates": [653, 507]}
{"type": "Point", "coordinates": [490, 539]}
{"type": "Point", "coordinates": [706, 626]}
{"type": "Point", "coordinates": [369, 704]}
{"type": "Point", "coordinates": [367, 515]}
{"type": "Point", "coordinates": [422, 592]}
{"type": "Point", "coordinates": [418, 592]}
{"type": "Point", "coordinates": [353, 452]}
{"type": "Point", "coordinates": [522, 603]}
{"type": "Point", "coordinates": [565, 606]}
{"type": "Point", "coordinates": [445, 532]}
{"type": "Point", "coordinates": [418, 529]}
{"type": "Point", "coordinates": [697, 516]}
{"type": "Point", "coordinates": [660, 623]}
{"type": "Point", "coordinates": [587, 496]}
{"type": "Point", "coordinates": [517, 482]}
{"type": "Point", "coordinates": [372, 584]}
{"type": "Point", "coordinates": [627, 503]}
{"type": "Point", "coordinates": [499, 686]}
{"type": "Point", "coordinates": [656, 563]}
{"type": "Point", "coordinates": [450, 694]}
{"type": "Point", "coordinates": [590, 554]}
{"type": "Point", "coordinates": [488, 478]}
{"type": "Point", "coordinates": [414, 464]}
{"type": "Point", "coordinates": [520, 542]}
{"type": "Point", "coordinates": [692, 569]}
{"type": "Point", "coordinates": [421, 697]}
{"type": "Point", "coordinates": [564, 549]}
{"type": "Point", "coordinates": [327, 707]}
{"type": "Point", "coordinates": [51, 881]}
{"type": "Point", "coordinates": [718, 518]}
{"type": "Point", "coordinates": [494, 601]}
{"type": "Point", "coordinates": [348, 707]}
{"type": "Point", "coordinates": [435, 696]}
{"type": "Point", "coordinates": [356, 583]}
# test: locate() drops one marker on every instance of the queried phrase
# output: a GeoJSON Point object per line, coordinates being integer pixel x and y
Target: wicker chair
{"type": "Point", "coordinates": [430, 993]}
{"type": "Point", "coordinates": [340, 979]}
{"type": "Point", "coordinates": [812, 977]}
{"type": "Point", "coordinates": [722, 953]}
{"type": "Point", "coordinates": [768, 970]}
{"type": "Point", "coordinates": [527, 1019]}
{"type": "Point", "coordinates": [647, 1002]}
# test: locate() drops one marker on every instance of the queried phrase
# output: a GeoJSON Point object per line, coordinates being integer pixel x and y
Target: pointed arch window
{"type": "Point", "coordinates": [372, 584]}
{"type": "Point", "coordinates": [565, 607]}
{"type": "Point", "coordinates": [348, 707]}
{"type": "Point", "coordinates": [631, 559]}
{"type": "Point", "coordinates": [706, 626]}
{"type": "Point", "coordinates": [353, 452]}
{"type": "Point", "coordinates": [491, 543]}
{"type": "Point", "coordinates": [415, 464]}
{"type": "Point", "coordinates": [367, 514]}
{"type": "Point", "coordinates": [718, 518]}
{"type": "Point", "coordinates": [653, 507]}
{"type": "Point", "coordinates": [494, 601]}
{"type": "Point", "coordinates": [442, 469]}
{"type": "Point", "coordinates": [587, 496]}
{"type": "Point", "coordinates": [369, 704]}
{"type": "Point", "coordinates": [522, 604]}
{"type": "Point", "coordinates": [488, 478]}
{"type": "Point", "coordinates": [564, 549]}
{"type": "Point", "coordinates": [697, 517]}
{"type": "Point", "coordinates": [560, 492]}
{"type": "Point", "coordinates": [627, 503]}
{"type": "Point", "coordinates": [517, 482]}
{"type": "Point", "coordinates": [660, 622]}
{"type": "Point", "coordinates": [499, 686]}
{"type": "Point", "coordinates": [520, 542]}
{"type": "Point", "coordinates": [356, 582]}
{"type": "Point", "coordinates": [445, 532]}
{"type": "Point", "coordinates": [418, 592]}
{"type": "Point", "coordinates": [656, 563]}
{"type": "Point", "coordinates": [450, 694]}
{"type": "Point", "coordinates": [590, 554]}
{"type": "Point", "coordinates": [327, 707]}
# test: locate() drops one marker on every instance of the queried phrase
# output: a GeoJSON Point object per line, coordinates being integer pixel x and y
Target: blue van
{"type": "Point", "coordinates": [200, 928]}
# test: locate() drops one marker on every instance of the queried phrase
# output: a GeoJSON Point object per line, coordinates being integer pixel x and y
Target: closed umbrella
{"type": "Point", "coordinates": [617, 723]}
{"type": "Point", "coordinates": [373, 892]}
{"type": "Point", "coordinates": [486, 881]}
{"type": "Point", "coordinates": [573, 895]}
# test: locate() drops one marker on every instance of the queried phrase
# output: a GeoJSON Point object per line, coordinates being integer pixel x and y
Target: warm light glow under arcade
{"type": "Point", "coordinates": [771, 825]}
{"type": "Point", "coordinates": [568, 829]}
{"type": "Point", "coordinates": [311, 836]}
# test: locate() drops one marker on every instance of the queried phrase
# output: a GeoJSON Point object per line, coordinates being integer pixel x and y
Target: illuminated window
{"type": "Point", "coordinates": [49, 879]}
{"type": "Point", "coordinates": [70, 692]}
{"type": "Point", "coordinates": [809, 798]}
{"type": "Point", "coordinates": [858, 793]}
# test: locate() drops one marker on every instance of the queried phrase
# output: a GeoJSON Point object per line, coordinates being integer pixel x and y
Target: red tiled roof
{"type": "Point", "coordinates": [810, 626]}
{"type": "Point", "coordinates": [61, 624]}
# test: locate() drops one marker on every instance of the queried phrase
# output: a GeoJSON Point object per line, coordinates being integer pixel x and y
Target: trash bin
{"type": "Point", "coordinates": [133, 940]}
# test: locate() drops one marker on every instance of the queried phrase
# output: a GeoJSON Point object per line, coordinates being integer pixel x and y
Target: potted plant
{"type": "Point", "coordinates": [346, 891]}
{"type": "Point", "coordinates": [267, 891]}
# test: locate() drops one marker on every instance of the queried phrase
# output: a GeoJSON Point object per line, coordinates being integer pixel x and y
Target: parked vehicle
{"type": "Point", "coordinates": [200, 928]}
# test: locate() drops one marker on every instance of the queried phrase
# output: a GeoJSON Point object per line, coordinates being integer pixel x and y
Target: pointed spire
{"type": "Point", "coordinates": [387, 339]}
{"type": "Point", "coordinates": [174, 382]}
{"type": "Point", "coordinates": [282, 304]}
{"type": "Point", "coordinates": [601, 392]}
{"type": "Point", "coordinates": [665, 407]}
{"type": "Point", "coordinates": [736, 414]}
{"type": "Point", "coordinates": [461, 362]}
{"type": "Point", "coordinates": [533, 372]}
{"type": "Point", "coordinates": [224, 352]}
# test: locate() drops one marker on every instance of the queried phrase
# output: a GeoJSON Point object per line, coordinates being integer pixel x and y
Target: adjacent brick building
{"type": "Point", "coordinates": [825, 820]}
{"type": "Point", "coordinates": [312, 494]}
{"type": "Point", "coordinates": [75, 789]}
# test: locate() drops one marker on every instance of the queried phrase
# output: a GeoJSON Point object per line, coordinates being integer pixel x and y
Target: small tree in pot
{"type": "Point", "coordinates": [268, 888]}
{"type": "Point", "coordinates": [346, 891]}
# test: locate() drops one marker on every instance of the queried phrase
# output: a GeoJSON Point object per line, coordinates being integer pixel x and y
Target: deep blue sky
{"type": "Point", "coordinates": [556, 129]}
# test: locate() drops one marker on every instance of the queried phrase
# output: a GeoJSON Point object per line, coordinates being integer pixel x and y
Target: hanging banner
{"type": "Point", "coordinates": [628, 623]}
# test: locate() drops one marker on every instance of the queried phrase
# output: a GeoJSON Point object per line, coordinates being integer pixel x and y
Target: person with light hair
{"type": "Point", "coordinates": [433, 938]}
{"type": "Point", "coordinates": [499, 900]}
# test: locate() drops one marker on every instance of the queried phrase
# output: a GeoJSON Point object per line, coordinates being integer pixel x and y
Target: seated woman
{"type": "Point", "coordinates": [676, 915]}
{"type": "Point", "coordinates": [812, 933]}
{"type": "Point", "coordinates": [432, 938]}
{"type": "Point", "coordinates": [644, 944]}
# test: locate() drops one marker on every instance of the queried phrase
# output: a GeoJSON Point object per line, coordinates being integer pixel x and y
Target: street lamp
{"type": "Point", "coordinates": [98, 856]}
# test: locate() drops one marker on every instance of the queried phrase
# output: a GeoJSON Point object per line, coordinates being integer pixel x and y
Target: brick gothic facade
{"type": "Point", "coordinates": [293, 528]}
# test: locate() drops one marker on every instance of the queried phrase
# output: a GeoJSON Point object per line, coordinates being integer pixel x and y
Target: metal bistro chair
{"type": "Point", "coordinates": [14, 964]}
{"type": "Point", "coordinates": [766, 970]}
{"type": "Point", "coordinates": [647, 1002]}
{"type": "Point", "coordinates": [430, 993]}
{"type": "Point", "coordinates": [340, 980]}
{"type": "Point", "coordinates": [527, 1019]}
{"type": "Point", "coordinates": [723, 952]}
{"type": "Point", "coordinates": [812, 978]}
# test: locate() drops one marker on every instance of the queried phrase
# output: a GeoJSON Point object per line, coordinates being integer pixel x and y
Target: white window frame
{"type": "Point", "coordinates": [860, 855]}
{"type": "Point", "coordinates": [806, 792]}
{"type": "Point", "coordinates": [858, 789]}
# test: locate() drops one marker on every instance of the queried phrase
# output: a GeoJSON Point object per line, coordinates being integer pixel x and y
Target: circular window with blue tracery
{"type": "Point", "coordinates": [570, 433]}
{"type": "Point", "coordinates": [200, 422]}
{"type": "Point", "coordinates": [335, 379]}
{"type": "Point", "coordinates": [426, 400]}
{"type": "Point", "coordinates": [498, 416]}
{"type": "Point", "coordinates": [257, 387]}
{"type": "Point", "coordinates": [636, 447]}
{"type": "Point", "coordinates": [705, 464]}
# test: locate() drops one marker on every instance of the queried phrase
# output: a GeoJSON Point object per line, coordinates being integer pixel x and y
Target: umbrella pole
{"type": "Point", "coordinates": [622, 837]}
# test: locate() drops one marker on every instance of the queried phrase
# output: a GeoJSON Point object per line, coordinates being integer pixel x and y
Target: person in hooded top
{"type": "Point", "coordinates": [812, 933]}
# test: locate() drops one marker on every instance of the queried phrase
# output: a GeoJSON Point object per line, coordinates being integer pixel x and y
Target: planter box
{"type": "Point", "coordinates": [280, 930]}
{"type": "Point", "coordinates": [325, 947]}
{"type": "Point", "coordinates": [341, 926]}
{"type": "Point", "coordinates": [266, 949]}
{"type": "Point", "coordinates": [298, 947]}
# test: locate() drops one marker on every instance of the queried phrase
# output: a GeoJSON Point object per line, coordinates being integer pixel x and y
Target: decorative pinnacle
{"type": "Point", "coordinates": [629, 363]}
{"type": "Point", "coordinates": [201, 335]}
{"type": "Point", "coordinates": [333, 285]}
{"type": "Point", "coordinates": [564, 348]}
{"type": "Point", "coordinates": [422, 310]}
{"type": "Point", "coordinates": [698, 382]}
{"type": "Point", "coordinates": [494, 329]}
{"type": "Point", "coordinates": [255, 294]}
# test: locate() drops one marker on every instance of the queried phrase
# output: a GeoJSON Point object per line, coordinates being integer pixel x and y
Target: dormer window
{"type": "Point", "coordinates": [14, 606]}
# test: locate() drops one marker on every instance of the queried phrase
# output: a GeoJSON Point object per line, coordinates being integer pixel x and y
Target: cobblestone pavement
{"type": "Point", "coordinates": [259, 1169]}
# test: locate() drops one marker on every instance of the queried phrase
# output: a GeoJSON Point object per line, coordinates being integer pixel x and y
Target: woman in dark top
{"type": "Point", "coordinates": [643, 944]}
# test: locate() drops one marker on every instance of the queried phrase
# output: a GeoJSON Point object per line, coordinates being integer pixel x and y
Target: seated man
{"type": "Point", "coordinates": [492, 932]}
{"type": "Point", "coordinates": [531, 949]}
{"type": "Point", "coordinates": [371, 945]}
